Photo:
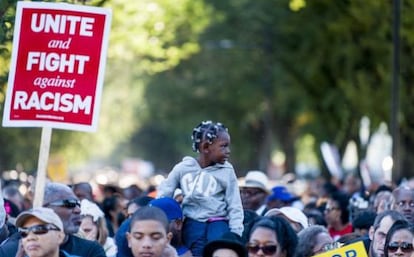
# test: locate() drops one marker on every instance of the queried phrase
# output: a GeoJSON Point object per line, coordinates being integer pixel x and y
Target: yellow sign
{"type": "Point", "coordinates": [57, 169]}
{"type": "Point", "coordinates": [353, 250]}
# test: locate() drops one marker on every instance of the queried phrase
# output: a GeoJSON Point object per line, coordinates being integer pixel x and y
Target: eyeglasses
{"type": "Point", "coordinates": [405, 247]}
{"type": "Point", "coordinates": [328, 247]}
{"type": "Point", "coordinates": [68, 203]}
{"type": "Point", "coordinates": [329, 209]}
{"type": "Point", "coordinates": [331, 246]}
{"type": "Point", "coordinates": [37, 230]}
{"type": "Point", "coordinates": [266, 249]}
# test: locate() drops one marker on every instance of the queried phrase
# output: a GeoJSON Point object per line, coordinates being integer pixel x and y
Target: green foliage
{"type": "Point", "coordinates": [274, 74]}
{"type": "Point", "coordinates": [147, 37]}
{"type": "Point", "coordinates": [157, 35]}
{"type": "Point", "coordinates": [272, 71]}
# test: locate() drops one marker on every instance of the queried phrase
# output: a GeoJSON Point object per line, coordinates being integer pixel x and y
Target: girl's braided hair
{"type": "Point", "coordinates": [206, 130]}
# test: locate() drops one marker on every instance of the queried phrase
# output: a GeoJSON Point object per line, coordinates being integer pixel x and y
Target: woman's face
{"type": "Point", "coordinates": [401, 244]}
{"type": "Point", "coordinates": [332, 212]}
{"type": "Point", "coordinates": [263, 242]}
{"type": "Point", "coordinates": [89, 228]}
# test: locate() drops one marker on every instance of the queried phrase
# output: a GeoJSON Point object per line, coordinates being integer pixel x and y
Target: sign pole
{"type": "Point", "coordinates": [42, 166]}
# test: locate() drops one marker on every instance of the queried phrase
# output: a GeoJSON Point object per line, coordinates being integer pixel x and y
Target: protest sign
{"type": "Point", "coordinates": [352, 250]}
{"type": "Point", "coordinates": [56, 72]}
{"type": "Point", "coordinates": [57, 66]}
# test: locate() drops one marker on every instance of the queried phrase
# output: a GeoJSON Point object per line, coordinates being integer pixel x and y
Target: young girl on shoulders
{"type": "Point", "coordinates": [211, 197]}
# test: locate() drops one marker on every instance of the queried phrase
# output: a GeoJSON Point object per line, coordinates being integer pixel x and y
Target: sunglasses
{"type": "Point", "coordinates": [267, 249]}
{"type": "Point", "coordinates": [68, 203]}
{"type": "Point", "coordinates": [405, 247]}
{"type": "Point", "coordinates": [37, 230]}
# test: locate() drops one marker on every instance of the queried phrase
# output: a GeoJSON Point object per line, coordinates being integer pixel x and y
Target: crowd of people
{"type": "Point", "coordinates": [203, 209]}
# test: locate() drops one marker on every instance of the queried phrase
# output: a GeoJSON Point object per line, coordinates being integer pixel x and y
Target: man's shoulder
{"type": "Point", "coordinates": [9, 246]}
{"type": "Point", "coordinates": [82, 241]}
{"type": "Point", "coordinates": [83, 247]}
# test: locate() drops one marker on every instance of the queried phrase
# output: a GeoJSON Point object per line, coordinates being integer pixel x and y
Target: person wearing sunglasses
{"type": "Point", "coordinates": [271, 236]}
{"type": "Point", "coordinates": [62, 200]}
{"type": "Point", "coordinates": [399, 240]}
{"type": "Point", "coordinates": [42, 233]}
{"type": "Point", "coordinates": [378, 231]}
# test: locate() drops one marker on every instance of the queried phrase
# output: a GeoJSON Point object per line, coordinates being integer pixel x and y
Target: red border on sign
{"type": "Point", "coordinates": [57, 68]}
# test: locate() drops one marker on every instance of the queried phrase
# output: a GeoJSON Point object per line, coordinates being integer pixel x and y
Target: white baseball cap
{"type": "Point", "coordinates": [46, 215]}
{"type": "Point", "coordinates": [291, 213]}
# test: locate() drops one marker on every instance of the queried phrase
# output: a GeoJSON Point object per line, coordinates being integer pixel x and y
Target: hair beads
{"type": "Point", "coordinates": [206, 130]}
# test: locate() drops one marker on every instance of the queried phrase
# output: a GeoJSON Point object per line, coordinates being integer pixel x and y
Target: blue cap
{"type": "Point", "coordinates": [281, 193]}
{"type": "Point", "coordinates": [170, 206]}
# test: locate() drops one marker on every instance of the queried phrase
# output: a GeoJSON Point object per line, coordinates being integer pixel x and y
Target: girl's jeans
{"type": "Point", "coordinates": [197, 234]}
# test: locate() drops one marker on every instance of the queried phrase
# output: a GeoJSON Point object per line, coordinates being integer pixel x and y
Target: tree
{"type": "Point", "coordinates": [271, 71]}
{"type": "Point", "coordinates": [274, 73]}
{"type": "Point", "coordinates": [147, 37]}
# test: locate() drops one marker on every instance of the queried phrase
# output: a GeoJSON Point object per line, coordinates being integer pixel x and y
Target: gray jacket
{"type": "Point", "coordinates": [208, 192]}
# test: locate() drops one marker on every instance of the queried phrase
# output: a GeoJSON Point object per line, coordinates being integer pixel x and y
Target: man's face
{"type": "Point", "coordinates": [378, 237]}
{"type": "Point", "coordinates": [67, 207]}
{"type": "Point", "coordinates": [175, 227]}
{"type": "Point", "coordinates": [404, 203]}
{"type": "Point", "coordinates": [147, 238]}
{"type": "Point", "coordinates": [44, 244]}
{"type": "Point", "coordinates": [252, 198]}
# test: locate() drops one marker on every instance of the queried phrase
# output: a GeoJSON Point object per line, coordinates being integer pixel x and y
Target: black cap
{"type": "Point", "coordinates": [228, 240]}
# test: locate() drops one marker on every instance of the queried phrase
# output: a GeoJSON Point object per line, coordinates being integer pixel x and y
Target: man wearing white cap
{"type": "Point", "coordinates": [61, 199]}
{"type": "Point", "coordinates": [42, 233]}
{"type": "Point", "coordinates": [253, 191]}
